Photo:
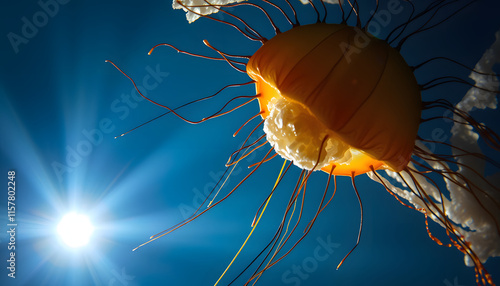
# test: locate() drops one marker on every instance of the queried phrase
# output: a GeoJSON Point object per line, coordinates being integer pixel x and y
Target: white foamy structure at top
{"type": "Point", "coordinates": [195, 8]}
{"type": "Point", "coordinates": [475, 214]}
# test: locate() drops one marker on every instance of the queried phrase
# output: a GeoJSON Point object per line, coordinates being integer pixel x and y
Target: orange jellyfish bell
{"type": "Point", "coordinates": [364, 95]}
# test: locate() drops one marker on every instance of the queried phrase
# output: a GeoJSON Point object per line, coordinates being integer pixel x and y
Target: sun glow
{"type": "Point", "coordinates": [75, 230]}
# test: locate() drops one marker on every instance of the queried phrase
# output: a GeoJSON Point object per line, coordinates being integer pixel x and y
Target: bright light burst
{"type": "Point", "coordinates": [75, 230]}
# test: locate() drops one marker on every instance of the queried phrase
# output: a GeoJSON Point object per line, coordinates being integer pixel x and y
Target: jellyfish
{"type": "Point", "coordinates": [335, 98]}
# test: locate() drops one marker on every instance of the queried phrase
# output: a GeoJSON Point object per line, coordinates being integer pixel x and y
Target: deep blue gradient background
{"type": "Point", "coordinates": [57, 88]}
